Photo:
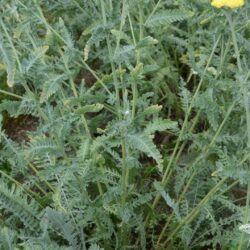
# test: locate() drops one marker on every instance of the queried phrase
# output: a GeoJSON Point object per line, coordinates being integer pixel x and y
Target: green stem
{"type": "Point", "coordinates": [41, 178]}
{"type": "Point", "coordinates": [154, 10]}
{"type": "Point", "coordinates": [111, 61]}
{"type": "Point", "coordinates": [134, 87]}
{"type": "Point", "coordinates": [132, 29]}
{"type": "Point", "coordinates": [195, 121]}
{"type": "Point", "coordinates": [140, 31]}
{"type": "Point", "coordinates": [118, 40]}
{"type": "Point", "coordinates": [80, 8]}
{"type": "Point", "coordinates": [124, 174]}
{"type": "Point", "coordinates": [111, 5]}
{"type": "Point", "coordinates": [10, 94]}
{"type": "Point", "coordinates": [134, 81]}
{"type": "Point", "coordinates": [124, 184]}
{"type": "Point", "coordinates": [94, 74]}
{"type": "Point", "coordinates": [236, 48]}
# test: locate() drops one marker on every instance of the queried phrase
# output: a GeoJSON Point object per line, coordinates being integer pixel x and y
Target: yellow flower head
{"type": "Point", "coordinates": [227, 3]}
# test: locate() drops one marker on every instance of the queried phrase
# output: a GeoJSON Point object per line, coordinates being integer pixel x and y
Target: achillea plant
{"type": "Point", "coordinates": [124, 124]}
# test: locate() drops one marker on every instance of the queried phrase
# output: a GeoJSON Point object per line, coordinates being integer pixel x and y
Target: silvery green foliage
{"type": "Point", "coordinates": [109, 84]}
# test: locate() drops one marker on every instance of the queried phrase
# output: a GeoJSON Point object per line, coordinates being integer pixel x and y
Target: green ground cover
{"type": "Point", "coordinates": [124, 124]}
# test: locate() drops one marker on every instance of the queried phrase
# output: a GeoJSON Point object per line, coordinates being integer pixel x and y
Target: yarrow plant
{"type": "Point", "coordinates": [124, 125]}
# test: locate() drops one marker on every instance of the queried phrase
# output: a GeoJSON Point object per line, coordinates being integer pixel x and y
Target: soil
{"type": "Point", "coordinates": [17, 128]}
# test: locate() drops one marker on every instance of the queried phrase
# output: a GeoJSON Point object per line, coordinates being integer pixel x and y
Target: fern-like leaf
{"type": "Point", "coordinates": [59, 222]}
{"type": "Point", "coordinates": [161, 125]}
{"type": "Point", "coordinates": [8, 238]}
{"type": "Point", "coordinates": [34, 59]}
{"type": "Point", "coordinates": [145, 144]}
{"type": "Point", "coordinates": [50, 87]}
{"type": "Point", "coordinates": [13, 201]}
{"type": "Point", "coordinates": [167, 17]}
